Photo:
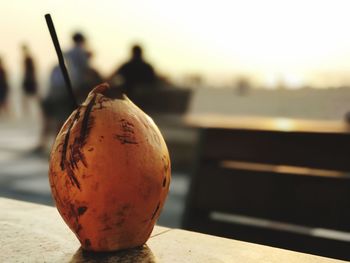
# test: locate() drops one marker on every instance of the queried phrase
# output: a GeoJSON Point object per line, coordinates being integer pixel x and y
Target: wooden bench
{"type": "Point", "coordinates": [273, 181]}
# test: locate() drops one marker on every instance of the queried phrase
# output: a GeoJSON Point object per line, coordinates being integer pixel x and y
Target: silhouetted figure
{"type": "Point", "coordinates": [29, 79]}
{"type": "Point", "coordinates": [77, 59]}
{"type": "Point", "coordinates": [347, 117]}
{"type": "Point", "coordinates": [29, 84]}
{"type": "Point", "coordinates": [91, 77]}
{"type": "Point", "coordinates": [135, 73]}
{"type": "Point", "coordinates": [3, 88]}
{"type": "Point", "coordinates": [57, 104]}
{"type": "Point", "coordinates": [242, 86]}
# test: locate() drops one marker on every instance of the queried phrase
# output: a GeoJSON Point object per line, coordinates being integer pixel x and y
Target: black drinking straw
{"type": "Point", "coordinates": [60, 58]}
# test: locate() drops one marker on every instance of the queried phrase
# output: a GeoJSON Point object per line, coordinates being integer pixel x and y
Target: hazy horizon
{"type": "Point", "coordinates": [296, 42]}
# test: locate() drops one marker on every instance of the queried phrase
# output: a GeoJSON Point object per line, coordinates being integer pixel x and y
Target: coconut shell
{"type": "Point", "coordinates": [109, 172]}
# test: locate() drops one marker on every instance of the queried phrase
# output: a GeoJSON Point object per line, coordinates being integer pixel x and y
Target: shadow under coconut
{"type": "Point", "coordinates": [135, 255]}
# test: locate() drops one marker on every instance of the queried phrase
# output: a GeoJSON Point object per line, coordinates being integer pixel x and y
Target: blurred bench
{"type": "Point", "coordinates": [163, 100]}
{"type": "Point", "coordinates": [277, 182]}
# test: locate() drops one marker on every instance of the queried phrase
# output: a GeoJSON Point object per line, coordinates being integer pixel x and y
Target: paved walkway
{"type": "Point", "coordinates": [23, 175]}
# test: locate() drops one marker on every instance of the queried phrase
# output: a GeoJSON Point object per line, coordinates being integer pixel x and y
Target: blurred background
{"type": "Point", "coordinates": [271, 59]}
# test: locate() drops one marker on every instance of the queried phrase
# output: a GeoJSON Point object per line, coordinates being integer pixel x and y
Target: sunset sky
{"type": "Point", "coordinates": [299, 42]}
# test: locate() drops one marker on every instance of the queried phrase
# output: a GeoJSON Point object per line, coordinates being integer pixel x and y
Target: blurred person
{"type": "Point", "coordinates": [29, 84]}
{"type": "Point", "coordinates": [242, 86]}
{"type": "Point", "coordinates": [92, 78]}
{"type": "Point", "coordinates": [77, 59]}
{"type": "Point", "coordinates": [3, 88]}
{"type": "Point", "coordinates": [135, 73]}
{"type": "Point", "coordinates": [57, 104]}
{"type": "Point", "coordinates": [347, 118]}
{"type": "Point", "coordinates": [56, 107]}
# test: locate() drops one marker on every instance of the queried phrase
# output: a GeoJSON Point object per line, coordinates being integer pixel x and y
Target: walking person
{"type": "Point", "coordinates": [29, 84]}
{"type": "Point", "coordinates": [57, 105]}
{"type": "Point", "coordinates": [3, 89]}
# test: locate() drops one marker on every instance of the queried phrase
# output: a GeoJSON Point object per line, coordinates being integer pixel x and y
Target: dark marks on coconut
{"type": "Point", "coordinates": [82, 210]}
{"type": "Point", "coordinates": [75, 149]}
{"type": "Point", "coordinates": [127, 136]}
{"type": "Point", "coordinates": [66, 139]}
{"type": "Point", "coordinates": [87, 122]}
{"type": "Point", "coordinates": [87, 243]}
{"type": "Point", "coordinates": [155, 211]}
